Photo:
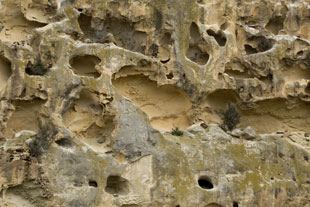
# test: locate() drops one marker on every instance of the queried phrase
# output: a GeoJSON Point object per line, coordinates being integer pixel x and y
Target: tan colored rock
{"type": "Point", "coordinates": [90, 92]}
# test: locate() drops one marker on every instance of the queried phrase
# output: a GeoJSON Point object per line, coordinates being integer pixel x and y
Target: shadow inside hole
{"type": "Point", "coordinates": [205, 183]}
{"type": "Point", "coordinates": [213, 205]}
{"type": "Point", "coordinates": [92, 183]}
{"type": "Point", "coordinates": [307, 90]}
{"type": "Point", "coordinates": [170, 76]}
{"type": "Point", "coordinates": [117, 185]}
{"type": "Point", "coordinates": [219, 37]}
{"type": "Point", "coordinates": [235, 204]}
{"type": "Point", "coordinates": [85, 65]}
{"type": "Point", "coordinates": [64, 142]}
{"type": "Point", "coordinates": [36, 69]}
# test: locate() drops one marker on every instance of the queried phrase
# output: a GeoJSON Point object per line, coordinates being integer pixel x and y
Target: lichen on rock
{"type": "Point", "coordinates": [91, 91]}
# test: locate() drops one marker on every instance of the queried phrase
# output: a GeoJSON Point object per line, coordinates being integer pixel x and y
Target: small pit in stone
{"type": "Point", "coordinates": [169, 76]}
{"type": "Point", "coordinates": [85, 65]}
{"type": "Point", "coordinates": [64, 142]}
{"type": "Point", "coordinates": [117, 185]}
{"type": "Point", "coordinates": [196, 52]}
{"type": "Point", "coordinates": [218, 36]}
{"type": "Point", "coordinates": [205, 183]}
{"type": "Point", "coordinates": [5, 71]}
{"type": "Point", "coordinates": [93, 183]}
{"type": "Point", "coordinates": [235, 204]}
{"type": "Point", "coordinates": [166, 106]}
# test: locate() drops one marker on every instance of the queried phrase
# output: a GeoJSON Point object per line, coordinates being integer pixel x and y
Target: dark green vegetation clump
{"type": "Point", "coordinates": [177, 132]}
{"type": "Point", "coordinates": [230, 117]}
{"type": "Point", "coordinates": [36, 69]}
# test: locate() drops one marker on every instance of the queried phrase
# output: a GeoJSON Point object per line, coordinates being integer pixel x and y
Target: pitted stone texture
{"type": "Point", "coordinates": [76, 131]}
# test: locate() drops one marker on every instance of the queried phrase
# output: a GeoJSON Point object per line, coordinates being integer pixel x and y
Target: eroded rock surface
{"type": "Point", "coordinates": [91, 92]}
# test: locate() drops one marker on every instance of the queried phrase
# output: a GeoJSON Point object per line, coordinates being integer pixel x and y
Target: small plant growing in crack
{"type": "Point", "coordinates": [177, 132]}
{"type": "Point", "coordinates": [230, 117]}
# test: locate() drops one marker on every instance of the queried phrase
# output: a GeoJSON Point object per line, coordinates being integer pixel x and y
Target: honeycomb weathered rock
{"type": "Point", "coordinates": [90, 91]}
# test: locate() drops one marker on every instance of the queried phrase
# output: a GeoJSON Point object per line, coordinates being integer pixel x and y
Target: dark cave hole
{"type": "Point", "coordinates": [219, 37]}
{"type": "Point", "coordinates": [307, 89]}
{"type": "Point", "coordinates": [117, 185]}
{"type": "Point", "coordinates": [235, 204]}
{"type": "Point", "coordinates": [93, 183]}
{"type": "Point", "coordinates": [300, 53]}
{"type": "Point", "coordinates": [205, 183]}
{"type": "Point", "coordinates": [250, 50]}
{"type": "Point", "coordinates": [169, 76]}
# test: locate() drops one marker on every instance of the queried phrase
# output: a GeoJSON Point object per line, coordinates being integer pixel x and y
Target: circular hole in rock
{"type": "Point", "coordinates": [205, 183]}
{"type": "Point", "coordinates": [92, 183]}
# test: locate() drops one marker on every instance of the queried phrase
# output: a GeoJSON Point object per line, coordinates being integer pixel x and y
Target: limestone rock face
{"type": "Point", "coordinates": [117, 103]}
